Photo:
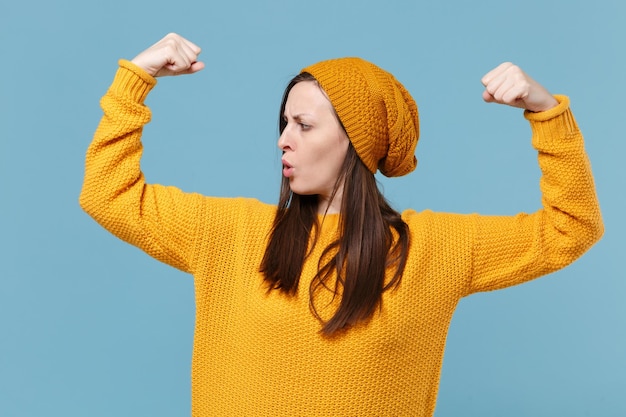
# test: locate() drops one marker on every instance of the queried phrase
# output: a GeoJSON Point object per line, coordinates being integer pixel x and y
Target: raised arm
{"type": "Point", "coordinates": [512, 249]}
{"type": "Point", "coordinates": [157, 219]}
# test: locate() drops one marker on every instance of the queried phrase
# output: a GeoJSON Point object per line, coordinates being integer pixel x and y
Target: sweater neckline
{"type": "Point", "coordinates": [329, 221]}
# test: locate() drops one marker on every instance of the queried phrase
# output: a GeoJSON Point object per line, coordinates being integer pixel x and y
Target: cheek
{"type": "Point", "coordinates": [332, 159]}
{"type": "Point", "coordinates": [341, 150]}
{"type": "Point", "coordinates": [338, 158]}
{"type": "Point", "coordinates": [326, 156]}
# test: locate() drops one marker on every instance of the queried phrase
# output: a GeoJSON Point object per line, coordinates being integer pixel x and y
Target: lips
{"type": "Point", "coordinates": [287, 169]}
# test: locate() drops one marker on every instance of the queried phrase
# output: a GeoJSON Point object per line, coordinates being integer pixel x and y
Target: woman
{"type": "Point", "coordinates": [332, 303]}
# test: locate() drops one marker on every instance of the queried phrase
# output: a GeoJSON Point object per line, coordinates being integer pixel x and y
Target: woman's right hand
{"type": "Point", "coordinates": [172, 55]}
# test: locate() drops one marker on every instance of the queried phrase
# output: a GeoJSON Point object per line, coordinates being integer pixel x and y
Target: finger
{"type": "Point", "coordinates": [509, 86]}
{"type": "Point", "coordinates": [197, 66]}
{"type": "Point", "coordinates": [515, 93]}
{"type": "Point", "coordinates": [193, 68]}
{"type": "Point", "coordinates": [496, 85]}
{"type": "Point", "coordinates": [505, 85]}
{"type": "Point", "coordinates": [178, 52]}
{"type": "Point", "coordinates": [488, 97]}
{"type": "Point", "coordinates": [192, 46]}
{"type": "Point", "coordinates": [176, 65]}
{"type": "Point", "coordinates": [179, 60]}
{"type": "Point", "coordinates": [514, 88]}
{"type": "Point", "coordinates": [496, 72]}
{"type": "Point", "coordinates": [188, 51]}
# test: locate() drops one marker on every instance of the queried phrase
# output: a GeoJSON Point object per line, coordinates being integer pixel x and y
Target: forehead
{"type": "Point", "coordinates": [307, 96]}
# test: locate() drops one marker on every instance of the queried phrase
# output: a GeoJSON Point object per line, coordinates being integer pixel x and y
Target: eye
{"type": "Point", "coordinates": [304, 126]}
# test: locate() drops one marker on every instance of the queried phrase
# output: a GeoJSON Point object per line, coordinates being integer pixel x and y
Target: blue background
{"type": "Point", "coordinates": [90, 326]}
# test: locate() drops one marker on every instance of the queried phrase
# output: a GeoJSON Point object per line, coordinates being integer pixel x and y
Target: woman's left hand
{"type": "Point", "coordinates": [508, 84]}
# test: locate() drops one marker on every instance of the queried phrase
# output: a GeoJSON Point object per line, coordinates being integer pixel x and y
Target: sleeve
{"type": "Point", "coordinates": [511, 250]}
{"type": "Point", "coordinates": [160, 220]}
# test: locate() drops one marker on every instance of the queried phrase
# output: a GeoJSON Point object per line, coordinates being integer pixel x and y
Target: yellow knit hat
{"type": "Point", "coordinates": [379, 114]}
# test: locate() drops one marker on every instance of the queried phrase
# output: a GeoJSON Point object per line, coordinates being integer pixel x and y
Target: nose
{"type": "Point", "coordinates": [284, 141]}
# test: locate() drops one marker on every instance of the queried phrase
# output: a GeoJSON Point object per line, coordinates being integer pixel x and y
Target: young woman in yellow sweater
{"type": "Point", "coordinates": [332, 303]}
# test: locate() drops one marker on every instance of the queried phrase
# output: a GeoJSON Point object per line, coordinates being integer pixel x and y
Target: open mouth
{"type": "Point", "coordinates": [287, 169]}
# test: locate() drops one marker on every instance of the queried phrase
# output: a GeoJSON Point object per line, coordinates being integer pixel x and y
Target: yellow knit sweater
{"type": "Point", "coordinates": [260, 354]}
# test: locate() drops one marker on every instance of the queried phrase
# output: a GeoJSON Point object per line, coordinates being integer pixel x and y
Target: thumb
{"type": "Point", "coordinates": [488, 97]}
{"type": "Point", "coordinates": [173, 69]}
{"type": "Point", "coordinates": [195, 67]}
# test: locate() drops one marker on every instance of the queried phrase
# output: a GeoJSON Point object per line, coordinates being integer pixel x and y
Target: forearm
{"type": "Point", "coordinates": [511, 250]}
{"type": "Point", "coordinates": [112, 167]}
{"type": "Point", "coordinates": [573, 221]}
{"type": "Point", "coordinates": [154, 218]}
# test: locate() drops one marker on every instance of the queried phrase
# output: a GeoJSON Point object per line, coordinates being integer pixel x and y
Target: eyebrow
{"type": "Point", "coordinates": [299, 116]}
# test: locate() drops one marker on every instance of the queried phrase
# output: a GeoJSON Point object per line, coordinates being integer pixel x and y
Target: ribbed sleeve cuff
{"type": "Point", "coordinates": [132, 81]}
{"type": "Point", "coordinates": [554, 124]}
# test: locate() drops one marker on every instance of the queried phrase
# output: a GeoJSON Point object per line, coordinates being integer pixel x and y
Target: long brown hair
{"type": "Point", "coordinates": [357, 260]}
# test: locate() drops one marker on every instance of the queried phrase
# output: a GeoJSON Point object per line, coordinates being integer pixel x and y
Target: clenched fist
{"type": "Point", "coordinates": [172, 55]}
{"type": "Point", "coordinates": [508, 84]}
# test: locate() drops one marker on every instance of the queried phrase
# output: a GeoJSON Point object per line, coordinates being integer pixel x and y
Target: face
{"type": "Point", "coordinates": [314, 144]}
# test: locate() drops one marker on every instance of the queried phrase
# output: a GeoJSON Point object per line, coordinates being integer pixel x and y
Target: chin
{"type": "Point", "coordinates": [293, 186]}
{"type": "Point", "coordinates": [302, 192]}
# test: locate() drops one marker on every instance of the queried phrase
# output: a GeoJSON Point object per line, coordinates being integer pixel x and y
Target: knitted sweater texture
{"type": "Point", "coordinates": [261, 354]}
